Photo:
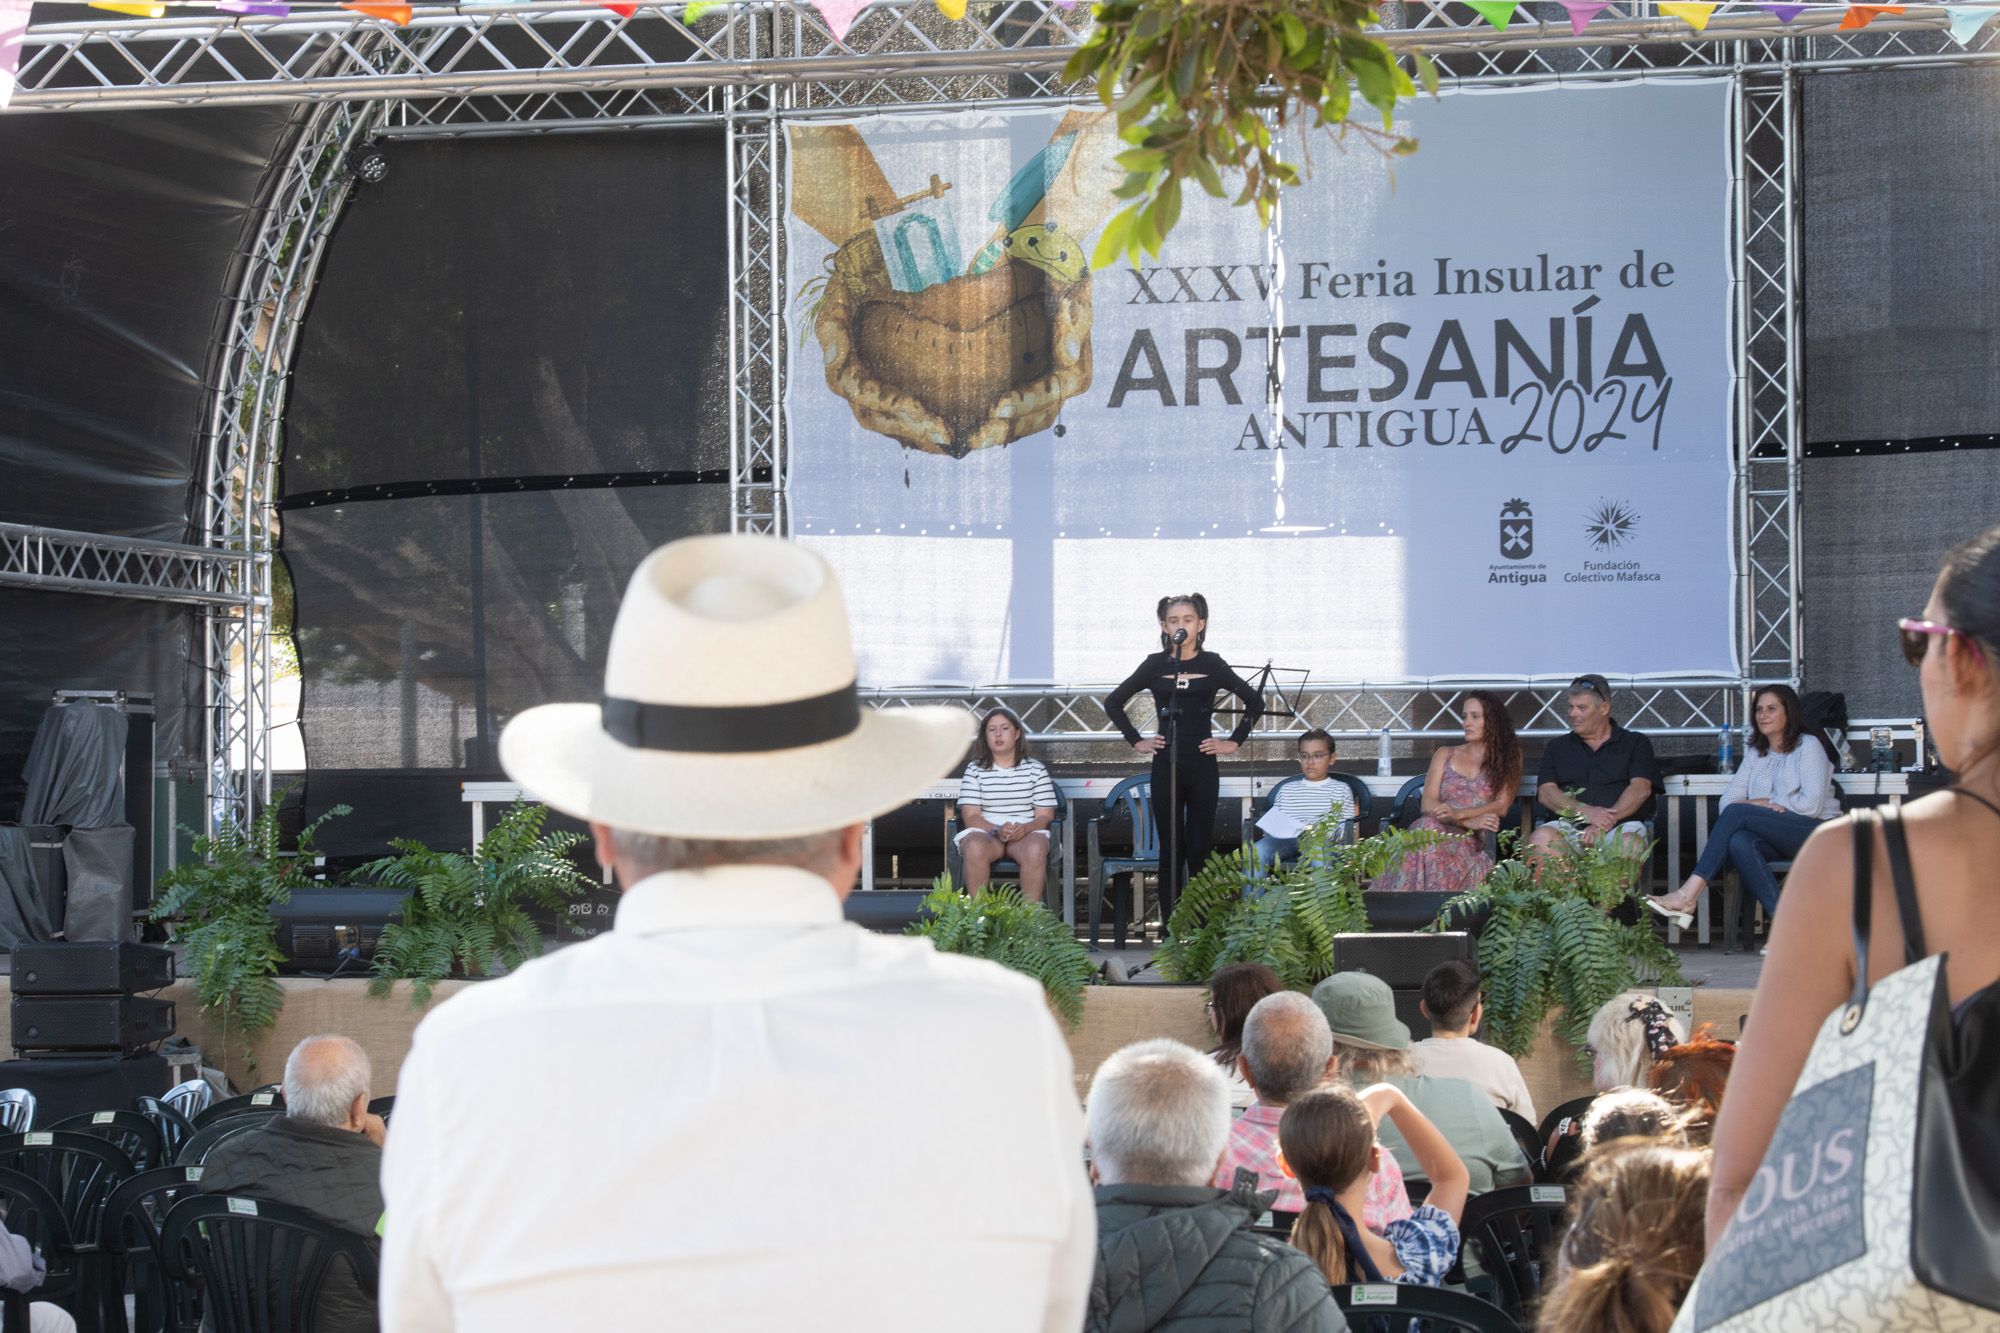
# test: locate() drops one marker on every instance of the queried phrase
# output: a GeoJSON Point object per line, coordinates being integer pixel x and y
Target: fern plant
{"type": "Point", "coordinates": [1290, 927]}
{"type": "Point", "coordinates": [222, 900]}
{"type": "Point", "coordinates": [997, 923]}
{"type": "Point", "coordinates": [470, 910]}
{"type": "Point", "coordinates": [1550, 944]}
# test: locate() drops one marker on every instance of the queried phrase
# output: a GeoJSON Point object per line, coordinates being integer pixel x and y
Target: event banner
{"type": "Point", "coordinates": [1463, 416]}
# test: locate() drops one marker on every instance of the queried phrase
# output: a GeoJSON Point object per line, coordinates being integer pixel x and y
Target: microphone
{"type": "Point", "coordinates": [1180, 637]}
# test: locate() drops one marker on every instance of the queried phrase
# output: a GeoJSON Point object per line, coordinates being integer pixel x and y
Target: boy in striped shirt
{"type": "Point", "coordinates": [1299, 805]}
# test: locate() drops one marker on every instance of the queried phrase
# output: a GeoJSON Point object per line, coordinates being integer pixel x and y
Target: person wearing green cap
{"type": "Point", "coordinates": [1372, 1046]}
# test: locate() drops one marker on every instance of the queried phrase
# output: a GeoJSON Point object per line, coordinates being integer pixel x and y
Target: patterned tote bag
{"type": "Point", "coordinates": [1877, 1206]}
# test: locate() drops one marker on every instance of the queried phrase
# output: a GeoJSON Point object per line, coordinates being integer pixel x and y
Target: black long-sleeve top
{"type": "Point", "coordinates": [1209, 674]}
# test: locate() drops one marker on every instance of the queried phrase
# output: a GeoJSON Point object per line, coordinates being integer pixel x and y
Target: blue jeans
{"type": "Point", "coordinates": [1749, 837]}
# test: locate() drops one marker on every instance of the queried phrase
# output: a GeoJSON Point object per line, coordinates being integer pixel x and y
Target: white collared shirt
{"type": "Point", "coordinates": [737, 1111]}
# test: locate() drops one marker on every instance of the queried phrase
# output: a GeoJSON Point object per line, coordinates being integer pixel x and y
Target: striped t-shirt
{"type": "Point", "coordinates": [1307, 801]}
{"type": "Point", "coordinates": [1007, 795]}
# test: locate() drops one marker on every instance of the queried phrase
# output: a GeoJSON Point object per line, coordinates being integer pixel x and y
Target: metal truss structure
{"type": "Point", "coordinates": [59, 561]}
{"type": "Point", "coordinates": [753, 66]}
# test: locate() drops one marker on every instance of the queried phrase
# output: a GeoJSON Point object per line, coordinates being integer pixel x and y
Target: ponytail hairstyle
{"type": "Point", "coordinates": [1969, 591]}
{"type": "Point", "coordinates": [1327, 1137]}
{"type": "Point", "coordinates": [1502, 765]}
{"type": "Point", "coordinates": [1200, 605]}
{"type": "Point", "coordinates": [1632, 1251]}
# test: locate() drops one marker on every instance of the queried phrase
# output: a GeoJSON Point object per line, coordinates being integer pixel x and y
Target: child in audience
{"type": "Point", "coordinates": [1302, 804]}
{"type": "Point", "coordinates": [1328, 1137]}
{"type": "Point", "coordinates": [1453, 1004]}
{"type": "Point", "coordinates": [1635, 1241]}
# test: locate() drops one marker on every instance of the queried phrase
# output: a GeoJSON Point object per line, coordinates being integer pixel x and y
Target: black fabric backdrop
{"type": "Point", "coordinates": [119, 233]}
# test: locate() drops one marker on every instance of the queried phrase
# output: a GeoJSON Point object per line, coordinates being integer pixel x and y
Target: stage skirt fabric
{"type": "Point", "coordinates": [1452, 867]}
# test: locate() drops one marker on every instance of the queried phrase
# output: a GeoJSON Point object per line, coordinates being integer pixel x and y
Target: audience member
{"type": "Point", "coordinates": [1953, 842]}
{"type": "Point", "coordinates": [1631, 1113]}
{"type": "Point", "coordinates": [1288, 1051]}
{"type": "Point", "coordinates": [1006, 802]}
{"type": "Point", "coordinates": [1233, 992]}
{"type": "Point", "coordinates": [324, 1154]}
{"type": "Point", "coordinates": [1692, 1076]}
{"type": "Point", "coordinates": [1329, 1141]}
{"type": "Point", "coordinates": [1451, 1001]}
{"type": "Point", "coordinates": [1299, 805]}
{"type": "Point", "coordinates": [735, 1110]}
{"type": "Point", "coordinates": [1626, 1036]}
{"type": "Point", "coordinates": [22, 1268]}
{"type": "Point", "coordinates": [1610, 770]}
{"type": "Point", "coordinates": [1371, 1045]}
{"type": "Point", "coordinates": [1634, 1240]}
{"type": "Point", "coordinates": [1469, 790]}
{"type": "Point", "coordinates": [1783, 791]}
{"type": "Point", "coordinates": [1174, 1253]}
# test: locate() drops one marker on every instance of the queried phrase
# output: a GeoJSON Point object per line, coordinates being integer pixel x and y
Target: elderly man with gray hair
{"type": "Point", "coordinates": [1287, 1052]}
{"type": "Point", "coordinates": [1174, 1253]}
{"type": "Point", "coordinates": [324, 1154]}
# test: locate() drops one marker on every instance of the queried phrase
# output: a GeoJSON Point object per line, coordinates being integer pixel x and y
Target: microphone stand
{"type": "Point", "coordinates": [1170, 876]}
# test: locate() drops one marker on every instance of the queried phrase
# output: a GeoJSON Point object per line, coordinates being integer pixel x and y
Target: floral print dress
{"type": "Point", "coordinates": [1451, 867]}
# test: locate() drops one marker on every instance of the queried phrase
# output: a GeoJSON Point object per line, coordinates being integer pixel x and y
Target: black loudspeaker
{"type": "Point", "coordinates": [1410, 1008]}
{"type": "Point", "coordinates": [104, 967]}
{"type": "Point", "coordinates": [318, 932]}
{"type": "Point", "coordinates": [1402, 960]}
{"type": "Point", "coordinates": [109, 1024]}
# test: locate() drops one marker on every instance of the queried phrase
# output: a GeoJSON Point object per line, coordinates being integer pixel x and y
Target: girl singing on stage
{"type": "Point", "coordinates": [1185, 669]}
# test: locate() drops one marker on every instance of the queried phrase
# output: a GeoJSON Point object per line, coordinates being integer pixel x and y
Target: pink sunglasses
{"type": "Point", "coordinates": [1916, 636]}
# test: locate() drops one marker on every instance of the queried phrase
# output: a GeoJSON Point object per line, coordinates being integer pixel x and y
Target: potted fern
{"type": "Point", "coordinates": [220, 905]}
{"type": "Point", "coordinates": [470, 911]}
{"type": "Point", "coordinates": [997, 923]}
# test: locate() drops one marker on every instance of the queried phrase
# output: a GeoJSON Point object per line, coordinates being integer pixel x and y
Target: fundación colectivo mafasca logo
{"type": "Point", "coordinates": [1517, 530]}
{"type": "Point", "coordinates": [1610, 524]}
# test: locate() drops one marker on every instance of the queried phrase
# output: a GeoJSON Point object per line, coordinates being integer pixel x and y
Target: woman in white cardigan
{"type": "Point", "coordinates": [1782, 793]}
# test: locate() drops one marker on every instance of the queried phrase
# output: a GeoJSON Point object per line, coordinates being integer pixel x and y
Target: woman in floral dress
{"type": "Point", "coordinates": [1469, 791]}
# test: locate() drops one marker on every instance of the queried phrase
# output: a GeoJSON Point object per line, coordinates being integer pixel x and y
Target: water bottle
{"type": "Point", "coordinates": [1725, 751]}
{"type": "Point", "coordinates": [1383, 768]}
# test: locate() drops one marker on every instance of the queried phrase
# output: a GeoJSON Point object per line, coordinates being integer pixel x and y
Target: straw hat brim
{"type": "Point", "coordinates": [560, 755]}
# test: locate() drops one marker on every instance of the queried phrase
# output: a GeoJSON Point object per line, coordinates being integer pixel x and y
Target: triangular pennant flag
{"type": "Point", "coordinates": [1696, 16]}
{"type": "Point", "coordinates": [1860, 16]}
{"type": "Point", "coordinates": [700, 7]}
{"type": "Point", "coordinates": [623, 11]}
{"type": "Point", "coordinates": [1965, 21]}
{"type": "Point", "coordinates": [1785, 13]}
{"type": "Point", "coordinates": [141, 8]}
{"type": "Point", "coordinates": [1581, 12]}
{"type": "Point", "coordinates": [271, 7]}
{"type": "Point", "coordinates": [952, 9]}
{"type": "Point", "coordinates": [1496, 12]}
{"type": "Point", "coordinates": [396, 14]}
{"type": "Point", "coordinates": [839, 14]}
{"type": "Point", "coordinates": [13, 23]}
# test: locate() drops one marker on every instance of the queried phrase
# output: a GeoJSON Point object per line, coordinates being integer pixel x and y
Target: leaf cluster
{"type": "Point", "coordinates": [1201, 86]}
{"type": "Point", "coordinates": [997, 923]}
{"type": "Point", "coordinates": [223, 897]}
{"type": "Point", "coordinates": [1290, 926]}
{"type": "Point", "coordinates": [469, 911]}
{"type": "Point", "coordinates": [1551, 944]}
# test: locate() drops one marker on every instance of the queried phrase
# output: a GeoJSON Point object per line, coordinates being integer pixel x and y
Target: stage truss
{"type": "Point", "coordinates": [751, 67]}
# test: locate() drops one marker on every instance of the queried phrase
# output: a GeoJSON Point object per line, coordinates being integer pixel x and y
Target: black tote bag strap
{"type": "Point", "coordinates": [1863, 825]}
{"type": "Point", "coordinates": [1906, 886]}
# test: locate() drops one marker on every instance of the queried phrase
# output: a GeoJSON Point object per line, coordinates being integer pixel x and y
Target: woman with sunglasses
{"type": "Point", "coordinates": [1954, 842]}
{"type": "Point", "coordinates": [1782, 793]}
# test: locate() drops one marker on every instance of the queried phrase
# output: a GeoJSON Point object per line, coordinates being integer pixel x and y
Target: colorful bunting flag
{"type": "Point", "coordinates": [840, 14]}
{"type": "Point", "coordinates": [952, 9]}
{"type": "Point", "coordinates": [139, 8]}
{"type": "Point", "coordinates": [396, 14]}
{"type": "Point", "coordinates": [700, 7]}
{"type": "Point", "coordinates": [1694, 15]}
{"type": "Point", "coordinates": [13, 23]}
{"type": "Point", "coordinates": [1965, 21]}
{"type": "Point", "coordinates": [623, 11]}
{"type": "Point", "coordinates": [270, 7]}
{"type": "Point", "coordinates": [1860, 16]}
{"type": "Point", "coordinates": [1497, 12]}
{"type": "Point", "coordinates": [1581, 12]}
{"type": "Point", "coordinates": [1785, 13]}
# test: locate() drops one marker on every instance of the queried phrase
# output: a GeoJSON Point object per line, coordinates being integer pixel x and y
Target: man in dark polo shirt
{"type": "Point", "coordinates": [1600, 774]}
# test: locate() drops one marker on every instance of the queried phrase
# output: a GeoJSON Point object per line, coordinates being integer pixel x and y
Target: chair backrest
{"type": "Point", "coordinates": [80, 1170]}
{"type": "Point", "coordinates": [261, 1264]}
{"type": "Point", "coordinates": [382, 1106]}
{"type": "Point", "coordinates": [196, 1150]}
{"type": "Point", "coordinates": [1394, 1306]}
{"type": "Point", "coordinates": [261, 1100]}
{"type": "Point", "coordinates": [134, 1215]}
{"type": "Point", "coordinates": [1569, 1110]}
{"type": "Point", "coordinates": [174, 1128]}
{"type": "Point", "coordinates": [17, 1111]}
{"type": "Point", "coordinates": [1511, 1231]}
{"type": "Point", "coordinates": [1525, 1135]}
{"type": "Point", "coordinates": [191, 1098]}
{"type": "Point", "coordinates": [138, 1137]}
{"type": "Point", "coordinates": [1136, 793]}
{"type": "Point", "coordinates": [1409, 802]}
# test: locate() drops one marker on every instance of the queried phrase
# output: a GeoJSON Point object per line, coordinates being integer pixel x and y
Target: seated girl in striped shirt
{"type": "Point", "coordinates": [1006, 801]}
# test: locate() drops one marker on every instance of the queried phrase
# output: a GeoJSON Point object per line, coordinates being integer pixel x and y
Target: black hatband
{"type": "Point", "coordinates": [733, 729]}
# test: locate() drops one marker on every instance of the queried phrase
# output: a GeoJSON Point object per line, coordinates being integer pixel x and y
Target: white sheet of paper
{"type": "Point", "coordinates": [1278, 823]}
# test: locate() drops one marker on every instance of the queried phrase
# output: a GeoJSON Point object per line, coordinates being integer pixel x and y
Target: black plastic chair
{"type": "Point", "coordinates": [196, 1150]}
{"type": "Point", "coordinates": [1416, 1191]}
{"type": "Point", "coordinates": [261, 1265]}
{"type": "Point", "coordinates": [248, 1103]}
{"type": "Point", "coordinates": [1558, 1161]}
{"type": "Point", "coordinates": [1393, 1307]}
{"type": "Point", "coordinates": [31, 1211]}
{"type": "Point", "coordinates": [1526, 1136]}
{"type": "Point", "coordinates": [133, 1217]}
{"type": "Point", "coordinates": [174, 1128]}
{"type": "Point", "coordinates": [136, 1136]}
{"type": "Point", "coordinates": [79, 1171]}
{"type": "Point", "coordinates": [382, 1106]}
{"type": "Point", "coordinates": [1569, 1110]}
{"type": "Point", "coordinates": [1510, 1231]}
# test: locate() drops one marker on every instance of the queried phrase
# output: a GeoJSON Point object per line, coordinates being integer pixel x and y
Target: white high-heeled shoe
{"type": "Point", "coordinates": [1679, 918]}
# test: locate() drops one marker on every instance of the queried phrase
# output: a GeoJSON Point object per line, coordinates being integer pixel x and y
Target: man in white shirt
{"type": "Point", "coordinates": [735, 1111]}
{"type": "Point", "coordinates": [1452, 1002]}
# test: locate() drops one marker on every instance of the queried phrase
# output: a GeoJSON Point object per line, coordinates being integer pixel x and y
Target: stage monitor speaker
{"type": "Point", "coordinates": [1402, 960]}
{"type": "Point", "coordinates": [98, 967]}
{"type": "Point", "coordinates": [122, 1024]}
{"type": "Point", "coordinates": [1410, 1008]}
{"type": "Point", "coordinates": [318, 932]}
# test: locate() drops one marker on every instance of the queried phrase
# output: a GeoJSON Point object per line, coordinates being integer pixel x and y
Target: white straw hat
{"type": "Point", "coordinates": [729, 707]}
